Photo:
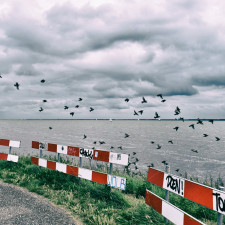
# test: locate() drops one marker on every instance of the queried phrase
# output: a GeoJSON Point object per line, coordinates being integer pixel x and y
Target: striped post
{"type": "Point", "coordinates": [219, 215]}
{"type": "Point", "coordinates": [167, 170]}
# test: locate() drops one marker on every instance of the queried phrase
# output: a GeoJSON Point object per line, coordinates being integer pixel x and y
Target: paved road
{"type": "Point", "coordinates": [18, 206]}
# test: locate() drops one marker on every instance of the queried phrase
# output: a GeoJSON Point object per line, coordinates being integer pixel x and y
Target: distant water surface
{"type": "Point", "coordinates": [209, 161]}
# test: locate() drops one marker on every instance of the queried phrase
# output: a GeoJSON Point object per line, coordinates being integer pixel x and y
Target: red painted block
{"type": "Point", "coordinates": [154, 202]}
{"type": "Point", "coordinates": [4, 142]}
{"type": "Point", "coordinates": [200, 194]}
{"type": "Point", "coordinates": [52, 147]}
{"type": "Point", "coordinates": [99, 177]}
{"type": "Point", "coordinates": [72, 170]}
{"type": "Point", "coordinates": [3, 156]}
{"type": "Point", "coordinates": [73, 151]}
{"type": "Point", "coordinates": [51, 165]}
{"type": "Point", "coordinates": [35, 144]}
{"type": "Point", "coordinates": [189, 221]}
{"type": "Point", "coordinates": [34, 160]}
{"type": "Point", "coordinates": [155, 177]}
{"type": "Point", "coordinates": [101, 155]}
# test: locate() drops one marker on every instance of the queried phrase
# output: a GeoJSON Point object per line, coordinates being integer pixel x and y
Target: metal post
{"type": "Point", "coordinates": [10, 149]}
{"type": "Point", "coordinates": [219, 215]}
{"type": "Point", "coordinates": [80, 165]}
{"type": "Point", "coordinates": [90, 163]}
{"type": "Point", "coordinates": [110, 168]}
{"type": "Point", "coordinates": [167, 170]}
{"type": "Point", "coordinates": [40, 153]}
{"type": "Point", "coordinates": [58, 157]}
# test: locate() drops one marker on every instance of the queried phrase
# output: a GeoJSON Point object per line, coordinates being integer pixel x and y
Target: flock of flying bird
{"type": "Point", "coordinates": [177, 112]}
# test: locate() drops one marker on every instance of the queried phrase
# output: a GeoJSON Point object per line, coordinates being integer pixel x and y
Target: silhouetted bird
{"type": "Point", "coordinates": [192, 126]}
{"type": "Point", "coordinates": [152, 142]}
{"type": "Point", "coordinates": [177, 111]}
{"type": "Point", "coordinates": [41, 109]}
{"type": "Point", "coordinates": [136, 167]}
{"type": "Point", "coordinates": [164, 162]}
{"type": "Point", "coordinates": [50, 128]}
{"type": "Point", "coordinates": [194, 150]}
{"type": "Point", "coordinates": [0, 76]}
{"type": "Point", "coordinates": [217, 139]}
{"type": "Point", "coordinates": [120, 147]}
{"type": "Point", "coordinates": [170, 141]}
{"type": "Point", "coordinates": [205, 135]}
{"type": "Point", "coordinates": [126, 99]}
{"type": "Point", "coordinates": [176, 128]}
{"type": "Point", "coordinates": [156, 115]}
{"type": "Point", "coordinates": [136, 159]}
{"type": "Point", "coordinates": [111, 147]}
{"type": "Point", "coordinates": [126, 135]}
{"type": "Point", "coordinates": [91, 109]}
{"type": "Point", "coordinates": [101, 142]}
{"type": "Point", "coordinates": [151, 165]}
{"type": "Point", "coordinates": [181, 118]}
{"type": "Point", "coordinates": [135, 113]}
{"type": "Point", "coordinates": [72, 113]}
{"type": "Point", "coordinates": [211, 121]}
{"type": "Point", "coordinates": [85, 136]}
{"type": "Point", "coordinates": [17, 85]}
{"type": "Point", "coordinates": [80, 99]}
{"type": "Point", "coordinates": [66, 107]}
{"type": "Point", "coordinates": [134, 153]}
{"type": "Point", "coordinates": [163, 100]}
{"type": "Point", "coordinates": [158, 146]}
{"type": "Point", "coordinates": [77, 106]}
{"type": "Point", "coordinates": [160, 95]}
{"type": "Point", "coordinates": [199, 121]}
{"type": "Point", "coordinates": [42, 81]}
{"type": "Point", "coordinates": [177, 170]}
{"type": "Point", "coordinates": [44, 100]}
{"type": "Point", "coordinates": [95, 142]}
{"type": "Point", "coordinates": [141, 111]}
{"type": "Point", "coordinates": [144, 100]}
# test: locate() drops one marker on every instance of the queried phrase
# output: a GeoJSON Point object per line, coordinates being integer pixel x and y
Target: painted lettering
{"type": "Point", "coordinates": [220, 203]}
{"type": "Point", "coordinates": [86, 153]}
{"type": "Point", "coordinates": [175, 184]}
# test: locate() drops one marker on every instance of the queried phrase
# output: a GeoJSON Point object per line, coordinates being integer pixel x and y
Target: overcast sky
{"type": "Point", "coordinates": [105, 51]}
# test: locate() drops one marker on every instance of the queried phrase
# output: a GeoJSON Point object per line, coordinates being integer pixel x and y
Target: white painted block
{"type": "Point", "coordinates": [219, 201]}
{"type": "Point", "coordinates": [61, 167]}
{"type": "Point", "coordinates": [116, 182]}
{"type": "Point", "coordinates": [172, 213]}
{"type": "Point", "coordinates": [15, 144]}
{"type": "Point", "coordinates": [85, 173]}
{"type": "Point", "coordinates": [42, 162]}
{"type": "Point", "coordinates": [62, 149]}
{"type": "Point", "coordinates": [13, 158]}
{"type": "Point", "coordinates": [118, 158]}
{"type": "Point", "coordinates": [174, 184]}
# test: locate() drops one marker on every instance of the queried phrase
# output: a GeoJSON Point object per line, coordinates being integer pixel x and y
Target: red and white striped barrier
{"type": "Point", "coordinates": [99, 155]}
{"type": "Point", "coordinates": [9, 157]}
{"type": "Point", "coordinates": [169, 211]}
{"type": "Point", "coordinates": [102, 178]}
{"type": "Point", "coordinates": [10, 143]}
{"type": "Point", "coordinates": [201, 194]}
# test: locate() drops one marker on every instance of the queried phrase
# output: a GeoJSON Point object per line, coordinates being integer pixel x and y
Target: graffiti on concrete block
{"type": "Point", "coordinates": [116, 182]}
{"type": "Point", "coordinates": [87, 153]}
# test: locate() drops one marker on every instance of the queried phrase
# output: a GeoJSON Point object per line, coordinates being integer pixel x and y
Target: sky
{"type": "Point", "coordinates": [104, 51]}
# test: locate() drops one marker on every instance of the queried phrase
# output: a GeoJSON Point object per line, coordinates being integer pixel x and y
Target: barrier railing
{"type": "Point", "coordinates": [10, 144]}
{"type": "Point", "coordinates": [99, 155]}
{"type": "Point", "coordinates": [209, 197]}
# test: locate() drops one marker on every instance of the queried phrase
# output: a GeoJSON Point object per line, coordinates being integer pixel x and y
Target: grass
{"type": "Point", "coordinates": [95, 203]}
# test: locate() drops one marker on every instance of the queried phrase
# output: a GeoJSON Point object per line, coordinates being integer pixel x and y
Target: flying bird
{"type": "Point", "coordinates": [84, 136]}
{"type": "Point", "coordinates": [192, 126]}
{"type": "Point", "coordinates": [141, 111]}
{"type": "Point", "coordinates": [164, 162]}
{"type": "Point", "coordinates": [163, 100]}
{"type": "Point", "coordinates": [127, 100]}
{"type": "Point", "coordinates": [176, 128]}
{"type": "Point", "coordinates": [177, 170]}
{"type": "Point", "coordinates": [135, 113]}
{"type": "Point", "coordinates": [144, 100]}
{"type": "Point", "coordinates": [199, 121]}
{"type": "Point", "coordinates": [158, 146]}
{"type": "Point", "coordinates": [91, 109]}
{"type": "Point", "coordinates": [151, 165]}
{"type": "Point", "coordinates": [160, 95]}
{"type": "Point", "coordinates": [77, 106]}
{"type": "Point", "coordinates": [194, 150]}
{"type": "Point", "coordinates": [66, 107]}
{"type": "Point", "coordinates": [72, 113]}
{"type": "Point", "coordinates": [111, 147]}
{"type": "Point", "coordinates": [217, 139]}
{"type": "Point", "coordinates": [120, 147]}
{"type": "Point", "coordinates": [177, 111]}
{"type": "Point", "coordinates": [126, 135]}
{"type": "Point", "coordinates": [50, 128]}
{"type": "Point", "coordinates": [101, 142]}
{"type": "Point", "coordinates": [80, 99]}
{"type": "Point", "coordinates": [0, 76]}
{"type": "Point", "coordinates": [181, 118]}
{"type": "Point", "coordinates": [211, 121]}
{"type": "Point", "coordinates": [134, 153]}
{"type": "Point", "coordinates": [17, 85]}
{"type": "Point", "coordinates": [95, 142]}
{"type": "Point", "coordinates": [152, 142]}
{"type": "Point", "coordinates": [42, 81]}
{"type": "Point", "coordinates": [44, 100]}
{"type": "Point", "coordinates": [205, 135]}
{"type": "Point", "coordinates": [170, 141]}
{"type": "Point", "coordinates": [156, 115]}
{"type": "Point", "coordinates": [41, 109]}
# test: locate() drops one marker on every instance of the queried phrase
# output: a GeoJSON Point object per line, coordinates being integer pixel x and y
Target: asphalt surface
{"type": "Point", "coordinates": [18, 206]}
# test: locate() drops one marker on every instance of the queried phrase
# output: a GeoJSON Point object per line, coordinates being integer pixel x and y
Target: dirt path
{"type": "Point", "coordinates": [19, 206]}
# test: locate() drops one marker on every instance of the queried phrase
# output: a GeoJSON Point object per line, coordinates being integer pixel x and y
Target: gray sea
{"type": "Point", "coordinates": [209, 161]}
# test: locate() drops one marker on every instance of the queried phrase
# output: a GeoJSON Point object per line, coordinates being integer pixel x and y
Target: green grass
{"type": "Point", "coordinates": [95, 203]}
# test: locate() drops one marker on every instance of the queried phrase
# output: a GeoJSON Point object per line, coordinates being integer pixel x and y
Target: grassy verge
{"type": "Point", "coordinates": [95, 203]}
